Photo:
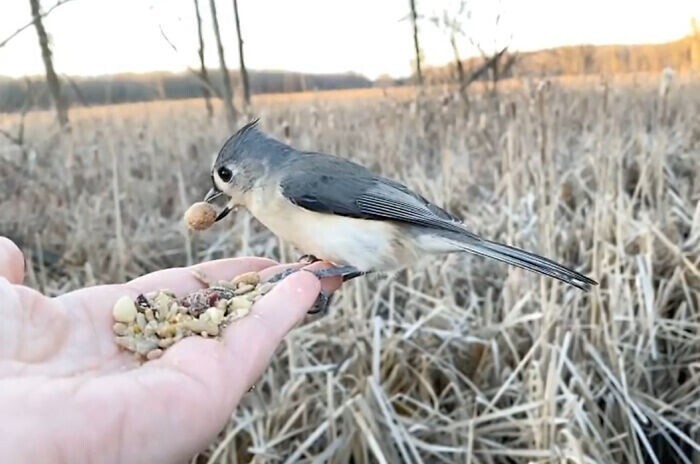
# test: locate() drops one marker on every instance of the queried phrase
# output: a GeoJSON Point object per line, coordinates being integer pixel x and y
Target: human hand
{"type": "Point", "coordinates": [68, 394]}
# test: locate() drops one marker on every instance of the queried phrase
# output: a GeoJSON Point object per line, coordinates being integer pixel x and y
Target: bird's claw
{"type": "Point", "coordinates": [282, 275]}
{"type": "Point", "coordinates": [322, 303]}
{"type": "Point", "coordinates": [308, 259]}
{"type": "Point", "coordinates": [323, 300]}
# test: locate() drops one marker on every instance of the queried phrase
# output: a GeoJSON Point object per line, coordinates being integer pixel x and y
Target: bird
{"type": "Point", "coordinates": [336, 210]}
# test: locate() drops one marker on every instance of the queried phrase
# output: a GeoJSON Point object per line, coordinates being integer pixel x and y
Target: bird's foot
{"type": "Point", "coordinates": [322, 303]}
{"type": "Point", "coordinates": [323, 300]}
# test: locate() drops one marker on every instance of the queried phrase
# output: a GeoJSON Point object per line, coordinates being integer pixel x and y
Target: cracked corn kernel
{"type": "Point", "coordinates": [216, 315]}
{"type": "Point", "coordinates": [239, 302]}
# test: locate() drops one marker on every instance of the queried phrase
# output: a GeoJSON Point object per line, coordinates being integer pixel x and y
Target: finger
{"type": "Point", "coordinates": [181, 280]}
{"type": "Point", "coordinates": [11, 261]}
{"type": "Point", "coordinates": [274, 315]}
{"type": "Point", "coordinates": [254, 338]}
{"type": "Point", "coordinates": [273, 271]}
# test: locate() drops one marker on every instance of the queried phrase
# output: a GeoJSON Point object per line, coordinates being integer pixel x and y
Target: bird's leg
{"type": "Point", "coordinates": [353, 275]}
{"type": "Point", "coordinates": [346, 272]}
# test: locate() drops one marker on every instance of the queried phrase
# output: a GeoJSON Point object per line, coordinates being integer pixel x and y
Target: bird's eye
{"type": "Point", "coordinates": [225, 173]}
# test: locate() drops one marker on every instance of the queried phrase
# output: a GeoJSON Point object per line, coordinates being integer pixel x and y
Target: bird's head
{"type": "Point", "coordinates": [241, 164]}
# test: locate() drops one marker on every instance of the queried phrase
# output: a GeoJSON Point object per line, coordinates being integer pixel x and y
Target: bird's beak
{"type": "Point", "coordinates": [224, 212]}
{"type": "Point", "coordinates": [212, 195]}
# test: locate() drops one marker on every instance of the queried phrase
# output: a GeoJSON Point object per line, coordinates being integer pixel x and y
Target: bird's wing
{"type": "Point", "coordinates": [333, 185]}
{"type": "Point", "coordinates": [337, 186]}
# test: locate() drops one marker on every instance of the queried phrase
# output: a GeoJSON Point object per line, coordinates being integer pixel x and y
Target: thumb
{"type": "Point", "coordinates": [11, 261]}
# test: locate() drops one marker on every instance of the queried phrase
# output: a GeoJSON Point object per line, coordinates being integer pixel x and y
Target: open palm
{"type": "Point", "coordinates": [68, 394]}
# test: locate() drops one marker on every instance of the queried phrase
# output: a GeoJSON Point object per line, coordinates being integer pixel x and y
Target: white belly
{"type": "Point", "coordinates": [364, 244]}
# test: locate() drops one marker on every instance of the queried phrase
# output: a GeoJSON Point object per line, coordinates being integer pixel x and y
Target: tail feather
{"type": "Point", "coordinates": [526, 260]}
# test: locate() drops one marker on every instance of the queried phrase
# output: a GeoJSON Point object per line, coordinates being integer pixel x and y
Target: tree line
{"type": "Point", "coordinates": [682, 55]}
{"type": "Point", "coordinates": [124, 88]}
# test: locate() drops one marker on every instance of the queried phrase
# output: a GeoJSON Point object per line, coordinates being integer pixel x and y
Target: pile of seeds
{"type": "Point", "coordinates": [153, 322]}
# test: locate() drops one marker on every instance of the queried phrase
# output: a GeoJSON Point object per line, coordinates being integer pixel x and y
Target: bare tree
{"type": "Point", "coordinates": [202, 82]}
{"type": "Point", "coordinates": [51, 78]}
{"type": "Point", "coordinates": [244, 73]}
{"type": "Point", "coordinates": [453, 26]}
{"type": "Point", "coordinates": [227, 93]}
{"type": "Point", "coordinates": [44, 14]}
{"type": "Point", "coordinates": [416, 46]}
{"type": "Point", "coordinates": [203, 74]}
{"type": "Point", "coordinates": [498, 63]}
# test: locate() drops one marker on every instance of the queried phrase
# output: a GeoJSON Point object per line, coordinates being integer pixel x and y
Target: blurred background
{"type": "Point", "coordinates": [568, 128]}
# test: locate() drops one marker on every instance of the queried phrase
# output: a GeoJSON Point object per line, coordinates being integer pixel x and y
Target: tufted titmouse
{"type": "Point", "coordinates": [338, 211]}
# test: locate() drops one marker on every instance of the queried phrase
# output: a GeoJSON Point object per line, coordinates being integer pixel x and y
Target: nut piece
{"type": "Point", "coordinates": [124, 310]}
{"type": "Point", "coordinates": [154, 354]}
{"type": "Point", "coordinates": [249, 278]}
{"type": "Point", "coordinates": [200, 216]}
{"type": "Point", "coordinates": [243, 289]}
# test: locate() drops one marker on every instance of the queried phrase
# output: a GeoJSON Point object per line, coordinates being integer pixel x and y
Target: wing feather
{"type": "Point", "coordinates": [339, 186]}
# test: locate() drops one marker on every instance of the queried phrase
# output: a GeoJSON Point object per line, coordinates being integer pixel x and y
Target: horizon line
{"type": "Point", "coordinates": [188, 70]}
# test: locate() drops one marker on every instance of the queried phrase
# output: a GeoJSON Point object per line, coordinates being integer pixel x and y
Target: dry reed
{"type": "Point", "coordinates": [458, 359]}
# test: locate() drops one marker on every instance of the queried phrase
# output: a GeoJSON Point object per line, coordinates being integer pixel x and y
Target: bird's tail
{"type": "Point", "coordinates": [525, 260]}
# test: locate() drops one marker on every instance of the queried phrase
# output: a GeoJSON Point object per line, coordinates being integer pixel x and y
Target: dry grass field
{"type": "Point", "coordinates": [459, 359]}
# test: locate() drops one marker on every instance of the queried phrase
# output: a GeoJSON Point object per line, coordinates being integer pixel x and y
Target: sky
{"type": "Point", "coordinates": [370, 37]}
